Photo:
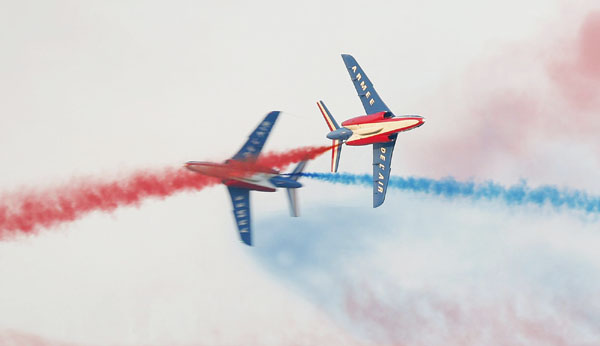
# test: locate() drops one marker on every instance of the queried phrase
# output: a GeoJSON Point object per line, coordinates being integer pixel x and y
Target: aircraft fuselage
{"type": "Point", "coordinates": [374, 128]}
{"type": "Point", "coordinates": [244, 175]}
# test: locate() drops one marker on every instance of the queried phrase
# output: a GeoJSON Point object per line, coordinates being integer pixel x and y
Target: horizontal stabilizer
{"type": "Point", "coordinates": [336, 151]}
{"type": "Point", "coordinates": [291, 192]}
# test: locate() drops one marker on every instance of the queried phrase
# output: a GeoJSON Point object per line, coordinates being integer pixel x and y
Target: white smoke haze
{"type": "Point", "coordinates": [446, 272]}
{"type": "Point", "coordinates": [135, 279]}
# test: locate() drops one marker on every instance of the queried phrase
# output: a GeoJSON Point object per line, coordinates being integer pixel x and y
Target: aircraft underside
{"type": "Point", "coordinates": [380, 132]}
{"type": "Point", "coordinates": [243, 173]}
{"type": "Point", "coordinates": [255, 183]}
{"type": "Point", "coordinates": [378, 128]}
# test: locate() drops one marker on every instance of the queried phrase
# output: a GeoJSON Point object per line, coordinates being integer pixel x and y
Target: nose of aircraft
{"type": "Point", "coordinates": [340, 134]}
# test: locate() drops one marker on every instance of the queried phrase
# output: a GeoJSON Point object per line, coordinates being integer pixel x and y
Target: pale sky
{"type": "Point", "coordinates": [101, 89]}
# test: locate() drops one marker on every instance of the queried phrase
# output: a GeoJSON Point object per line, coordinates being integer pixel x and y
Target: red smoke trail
{"type": "Point", "coordinates": [426, 318]}
{"type": "Point", "coordinates": [266, 162]}
{"type": "Point", "coordinates": [28, 211]}
{"type": "Point", "coordinates": [45, 208]}
{"type": "Point", "coordinates": [282, 160]}
{"type": "Point", "coordinates": [16, 338]}
{"type": "Point", "coordinates": [520, 102]}
{"type": "Point", "coordinates": [577, 71]}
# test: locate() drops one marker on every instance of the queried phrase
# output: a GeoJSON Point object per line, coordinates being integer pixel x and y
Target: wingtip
{"type": "Point", "coordinates": [347, 57]}
{"type": "Point", "coordinates": [378, 203]}
{"type": "Point", "coordinates": [246, 238]}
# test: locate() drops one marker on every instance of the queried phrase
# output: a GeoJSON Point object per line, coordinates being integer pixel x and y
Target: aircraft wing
{"type": "Point", "coordinates": [253, 146]}
{"type": "Point", "coordinates": [382, 165]}
{"type": "Point", "coordinates": [241, 211]}
{"type": "Point", "coordinates": [366, 92]}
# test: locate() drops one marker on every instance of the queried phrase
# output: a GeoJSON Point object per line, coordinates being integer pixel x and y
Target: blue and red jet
{"type": "Point", "coordinates": [379, 127]}
{"type": "Point", "coordinates": [242, 174]}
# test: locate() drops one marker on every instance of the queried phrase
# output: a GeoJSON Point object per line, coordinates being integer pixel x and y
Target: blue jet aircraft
{"type": "Point", "coordinates": [241, 174]}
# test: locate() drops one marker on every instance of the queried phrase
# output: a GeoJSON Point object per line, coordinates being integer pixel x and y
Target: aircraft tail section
{"type": "Point", "coordinates": [336, 149]}
{"type": "Point", "coordinates": [333, 125]}
{"type": "Point", "coordinates": [291, 192]}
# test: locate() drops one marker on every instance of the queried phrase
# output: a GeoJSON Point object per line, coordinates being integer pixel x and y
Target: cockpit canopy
{"type": "Point", "coordinates": [368, 118]}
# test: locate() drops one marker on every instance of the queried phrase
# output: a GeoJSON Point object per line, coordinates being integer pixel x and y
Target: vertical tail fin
{"type": "Point", "coordinates": [333, 125]}
{"type": "Point", "coordinates": [336, 149]}
{"type": "Point", "coordinates": [291, 193]}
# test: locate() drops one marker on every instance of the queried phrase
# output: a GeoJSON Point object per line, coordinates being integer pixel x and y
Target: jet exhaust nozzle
{"type": "Point", "coordinates": [340, 134]}
{"type": "Point", "coordinates": [280, 181]}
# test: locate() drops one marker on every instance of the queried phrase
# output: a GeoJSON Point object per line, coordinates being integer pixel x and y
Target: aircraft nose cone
{"type": "Point", "coordinates": [420, 119]}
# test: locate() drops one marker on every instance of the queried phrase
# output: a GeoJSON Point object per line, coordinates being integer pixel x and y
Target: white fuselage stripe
{"type": "Point", "coordinates": [362, 131]}
{"type": "Point", "coordinates": [259, 179]}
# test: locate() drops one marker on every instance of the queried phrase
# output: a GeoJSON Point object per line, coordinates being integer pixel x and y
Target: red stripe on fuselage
{"type": "Point", "coordinates": [230, 169]}
{"type": "Point", "coordinates": [365, 119]}
{"type": "Point", "coordinates": [245, 185]}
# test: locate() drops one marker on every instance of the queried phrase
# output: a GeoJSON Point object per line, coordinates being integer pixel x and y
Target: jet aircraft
{"type": "Point", "coordinates": [379, 127]}
{"type": "Point", "coordinates": [242, 173]}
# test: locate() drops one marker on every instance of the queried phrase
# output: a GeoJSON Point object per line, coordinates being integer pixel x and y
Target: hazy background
{"type": "Point", "coordinates": [510, 91]}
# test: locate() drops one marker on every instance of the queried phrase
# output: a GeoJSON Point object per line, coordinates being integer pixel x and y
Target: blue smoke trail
{"type": "Point", "coordinates": [448, 187]}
